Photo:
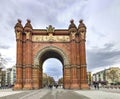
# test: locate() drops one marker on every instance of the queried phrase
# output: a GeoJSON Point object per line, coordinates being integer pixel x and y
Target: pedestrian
{"type": "Point", "coordinates": [56, 86]}
{"type": "Point", "coordinates": [95, 86]}
{"type": "Point", "coordinates": [98, 86]}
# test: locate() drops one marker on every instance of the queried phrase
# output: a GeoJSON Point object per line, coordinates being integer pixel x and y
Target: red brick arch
{"type": "Point", "coordinates": [34, 46]}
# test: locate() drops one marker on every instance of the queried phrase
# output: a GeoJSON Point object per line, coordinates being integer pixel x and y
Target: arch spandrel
{"type": "Point", "coordinates": [37, 57]}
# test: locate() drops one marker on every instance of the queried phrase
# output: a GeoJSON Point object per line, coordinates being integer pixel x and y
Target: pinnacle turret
{"type": "Point", "coordinates": [72, 26]}
{"type": "Point", "coordinates": [81, 26]}
{"type": "Point", "coordinates": [28, 24]}
{"type": "Point", "coordinates": [18, 24]}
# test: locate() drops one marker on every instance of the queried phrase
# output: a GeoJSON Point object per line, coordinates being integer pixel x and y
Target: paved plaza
{"type": "Point", "coordinates": [61, 94]}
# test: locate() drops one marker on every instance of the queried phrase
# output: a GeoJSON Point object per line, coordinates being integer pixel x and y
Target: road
{"type": "Point", "coordinates": [53, 94]}
{"type": "Point", "coordinates": [63, 94]}
{"type": "Point", "coordinates": [46, 94]}
{"type": "Point", "coordinates": [102, 93]}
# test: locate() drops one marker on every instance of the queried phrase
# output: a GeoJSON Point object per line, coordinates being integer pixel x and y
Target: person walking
{"type": "Point", "coordinates": [95, 86]}
{"type": "Point", "coordinates": [98, 86]}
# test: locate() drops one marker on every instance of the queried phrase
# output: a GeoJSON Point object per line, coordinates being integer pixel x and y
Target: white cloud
{"type": "Point", "coordinates": [104, 19]}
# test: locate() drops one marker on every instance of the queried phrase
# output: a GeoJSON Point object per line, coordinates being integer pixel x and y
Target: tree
{"type": "Point", "coordinates": [113, 75]}
{"type": "Point", "coordinates": [51, 80]}
{"type": "Point", "coordinates": [60, 81]}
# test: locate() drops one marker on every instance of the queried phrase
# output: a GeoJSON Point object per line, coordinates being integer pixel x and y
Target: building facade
{"type": "Point", "coordinates": [107, 76]}
{"type": "Point", "coordinates": [10, 76]}
{"type": "Point", "coordinates": [34, 46]}
{"type": "Point", "coordinates": [3, 80]}
{"type": "Point", "coordinates": [13, 75]}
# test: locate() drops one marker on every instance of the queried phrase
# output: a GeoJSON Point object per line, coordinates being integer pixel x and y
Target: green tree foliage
{"type": "Point", "coordinates": [113, 75]}
{"type": "Point", "coordinates": [47, 80]}
{"type": "Point", "coordinates": [60, 81]}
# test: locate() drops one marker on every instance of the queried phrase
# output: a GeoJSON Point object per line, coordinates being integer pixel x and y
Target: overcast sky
{"type": "Point", "coordinates": [102, 18]}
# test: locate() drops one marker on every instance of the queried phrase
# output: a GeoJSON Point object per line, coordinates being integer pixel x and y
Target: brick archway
{"type": "Point", "coordinates": [42, 55]}
{"type": "Point", "coordinates": [34, 46]}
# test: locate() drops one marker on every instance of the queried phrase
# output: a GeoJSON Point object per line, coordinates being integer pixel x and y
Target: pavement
{"type": "Point", "coordinates": [6, 92]}
{"type": "Point", "coordinates": [37, 94]}
{"type": "Point", "coordinates": [99, 94]}
{"type": "Point", "coordinates": [59, 93]}
{"type": "Point", "coordinates": [10, 94]}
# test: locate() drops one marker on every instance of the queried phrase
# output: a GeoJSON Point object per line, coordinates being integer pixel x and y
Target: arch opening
{"type": "Point", "coordinates": [46, 56]}
{"type": "Point", "coordinates": [52, 72]}
{"type": "Point", "coordinates": [42, 56]}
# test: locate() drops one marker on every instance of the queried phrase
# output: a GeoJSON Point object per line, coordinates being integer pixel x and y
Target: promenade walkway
{"type": "Point", "coordinates": [102, 93]}
{"type": "Point", "coordinates": [59, 93]}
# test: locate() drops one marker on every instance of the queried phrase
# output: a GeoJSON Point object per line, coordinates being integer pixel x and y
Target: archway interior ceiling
{"type": "Point", "coordinates": [50, 54]}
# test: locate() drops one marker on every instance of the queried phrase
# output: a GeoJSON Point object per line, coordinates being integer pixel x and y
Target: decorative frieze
{"type": "Point", "coordinates": [36, 38]}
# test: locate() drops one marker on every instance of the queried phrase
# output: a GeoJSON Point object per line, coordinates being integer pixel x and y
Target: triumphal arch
{"type": "Point", "coordinates": [34, 46]}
